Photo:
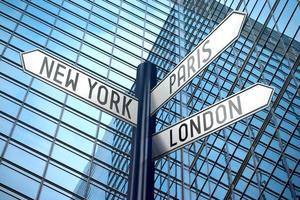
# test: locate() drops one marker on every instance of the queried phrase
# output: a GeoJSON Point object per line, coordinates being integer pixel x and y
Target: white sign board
{"type": "Point", "coordinates": [78, 83]}
{"type": "Point", "coordinates": [212, 119]}
{"type": "Point", "coordinates": [196, 61]}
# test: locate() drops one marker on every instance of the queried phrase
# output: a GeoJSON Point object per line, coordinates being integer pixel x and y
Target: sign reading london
{"type": "Point", "coordinates": [80, 84]}
{"type": "Point", "coordinates": [212, 119]}
{"type": "Point", "coordinates": [196, 61]}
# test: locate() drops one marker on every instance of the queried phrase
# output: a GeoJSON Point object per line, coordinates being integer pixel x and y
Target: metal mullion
{"type": "Point", "coordinates": [170, 61]}
{"type": "Point", "coordinates": [248, 129]}
{"type": "Point", "coordinates": [261, 131]}
{"type": "Point", "coordinates": [271, 81]}
{"type": "Point", "coordinates": [277, 163]}
{"type": "Point", "coordinates": [195, 38]}
{"type": "Point", "coordinates": [110, 60]}
{"type": "Point", "coordinates": [214, 163]}
{"type": "Point", "coordinates": [181, 106]}
{"type": "Point", "coordinates": [92, 157]}
{"type": "Point", "coordinates": [11, 190]}
{"type": "Point", "coordinates": [224, 134]}
{"type": "Point", "coordinates": [289, 178]}
{"type": "Point", "coordinates": [161, 167]}
{"type": "Point", "coordinates": [282, 72]}
{"type": "Point", "coordinates": [59, 121]}
{"type": "Point", "coordinates": [251, 50]}
{"type": "Point", "coordinates": [25, 97]}
{"type": "Point", "coordinates": [282, 154]}
{"type": "Point", "coordinates": [206, 70]}
{"type": "Point", "coordinates": [214, 68]}
{"type": "Point", "coordinates": [281, 40]}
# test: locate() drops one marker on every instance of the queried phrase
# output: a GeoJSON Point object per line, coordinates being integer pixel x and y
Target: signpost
{"type": "Point", "coordinates": [196, 61]}
{"type": "Point", "coordinates": [138, 112]}
{"type": "Point", "coordinates": [78, 83]}
{"type": "Point", "coordinates": [212, 119]}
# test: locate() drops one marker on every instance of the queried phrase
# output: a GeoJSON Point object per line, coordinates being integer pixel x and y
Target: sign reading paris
{"type": "Point", "coordinates": [195, 62]}
{"type": "Point", "coordinates": [78, 83]}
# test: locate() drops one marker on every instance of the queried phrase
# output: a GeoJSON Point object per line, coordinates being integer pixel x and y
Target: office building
{"type": "Point", "coordinates": [56, 146]}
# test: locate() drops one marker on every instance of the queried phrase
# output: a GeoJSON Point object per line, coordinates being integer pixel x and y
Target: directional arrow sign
{"type": "Point", "coordinates": [212, 119]}
{"type": "Point", "coordinates": [78, 83]}
{"type": "Point", "coordinates": [196, 61]}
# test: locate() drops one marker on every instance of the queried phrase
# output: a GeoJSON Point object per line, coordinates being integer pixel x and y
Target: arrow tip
{"type": "Point", "coordinates": [265, 90]}
{"type": "Point", "coordinates": [237, 19]}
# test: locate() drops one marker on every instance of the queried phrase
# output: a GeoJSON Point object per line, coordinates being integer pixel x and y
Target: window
{"type": "Point", "coordinates": [66, 180]}
{"type": "Point", "coordinates": [20, 182]}
{"type": "Point", "coordinates": [31, 139]}
{"type": "Point", "coordinates": [25, 159]}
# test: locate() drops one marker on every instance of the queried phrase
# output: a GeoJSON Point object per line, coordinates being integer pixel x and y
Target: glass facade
{"type": "Point", "coordinates": [55, 146]}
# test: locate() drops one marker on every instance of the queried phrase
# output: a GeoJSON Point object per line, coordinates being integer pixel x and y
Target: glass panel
{"type": "Point", "coordinates": [98, 43]}
{"type": "Point", "coordinates": [5, 126]}
{"type": "Point", "coordinates": [25, 160]}
{"type": "Point", "coordinates": [58, 48]}
{"type": "Point", "coordinates": [19, 182]}
{"type": "Point", "coordinates": [4, 35]}
{"type": "Point", "coordinates": [96, 54]}
{"type": "Point", "coordinates": [2, 143]}
{"type": "Point", "coordinates": [43, 105]}
{"type": "Point", "coordinates": [9, 107]}
{"type": "Point", "coordinates": [38, 121]}
{"type": "Point", "coordinates": [9, 11]}
{"type": "Point", "coordinates": [83, 107]}
{"type": "Point", "coordinates": [40, 14]}
{"type": "Point", "coordinates": [66, 39]}
{"type": "Point", "coordinates": [22, 44]}
{"type": "Point", "coordinates": [36, 24]}
{"type": "Point", "coordinates": [31, 35]}
{"type": "Point", "coordinates": [12, 55]}
{"type": "Point", "coordinates": [79, 123]}
{"type": "Point", "coordinates": [69, 28]}
{"type": "Point", "coordinates": [71, 159]}
{"type": "Point", "coordinates": [92, 65]}
{"type": "Point", "coordinates": [66, 180]}
{"type": "Point", "coordinates": [48, 90]}
{"type": "Point", "coordinates": [75, 9]}
{"type": "Point", "coordinates": [50, 194]}
{"type": "Point", "coordinates": [31, 139]}
{"type": "Point", "coordinates": [48, 6]}
{"type": "Point", "coordinates": [104, 154]}
{"type": "Point", "coordinates": [95, 193]}
{"type": "Point", "coordinates": [75, 140]}
{"type": "Point", "coordinates": [100, 173]}
{"type": "Point", "coordinates": [5, 196]}
{"type": "Point", "coordinates": [73, 19]}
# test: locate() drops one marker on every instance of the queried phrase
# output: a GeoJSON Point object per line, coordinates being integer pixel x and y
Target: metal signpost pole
{"type": "Point", "coordinates": [141, 174]}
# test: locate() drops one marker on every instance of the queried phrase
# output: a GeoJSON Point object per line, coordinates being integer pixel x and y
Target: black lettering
{"type": "Point", "coordinates": [172, 81]}
{"type": "Point", "coordinates": [181, 75]}
{"type": "Point", "coordinates": [171, 140]}
{"type": "Point", "coordinates": [126, 107]}
{"type": "Point", "coordinates": [92, 86]}
{"type": "Point", "coordinates": [218, 114]}
{"type": "Point", "coordinates": [183, 136]}
{"type": "Point", "coordinates": [198, 58]}
{"type": "Point", "coordinates": [237, 108]}
{"type": "Point", "coordinates": [207, 50]}
{"type": "Point", "coordinates": [195, 126]}
{"type": "Point", "coordinates": [190, 65]}
{"type": "Point", "coordinates": [115, 99]}
{"type": "Point", "coordinates": [205, 126]}
{"type": "Point", "coordinates": [58, 73]}
{"type": "Point", "coordinates": [102, 89]}
{"type": "Point", "coordinates": [71, 81]}
{"type": "Point", "coordinates": [46, 65]}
